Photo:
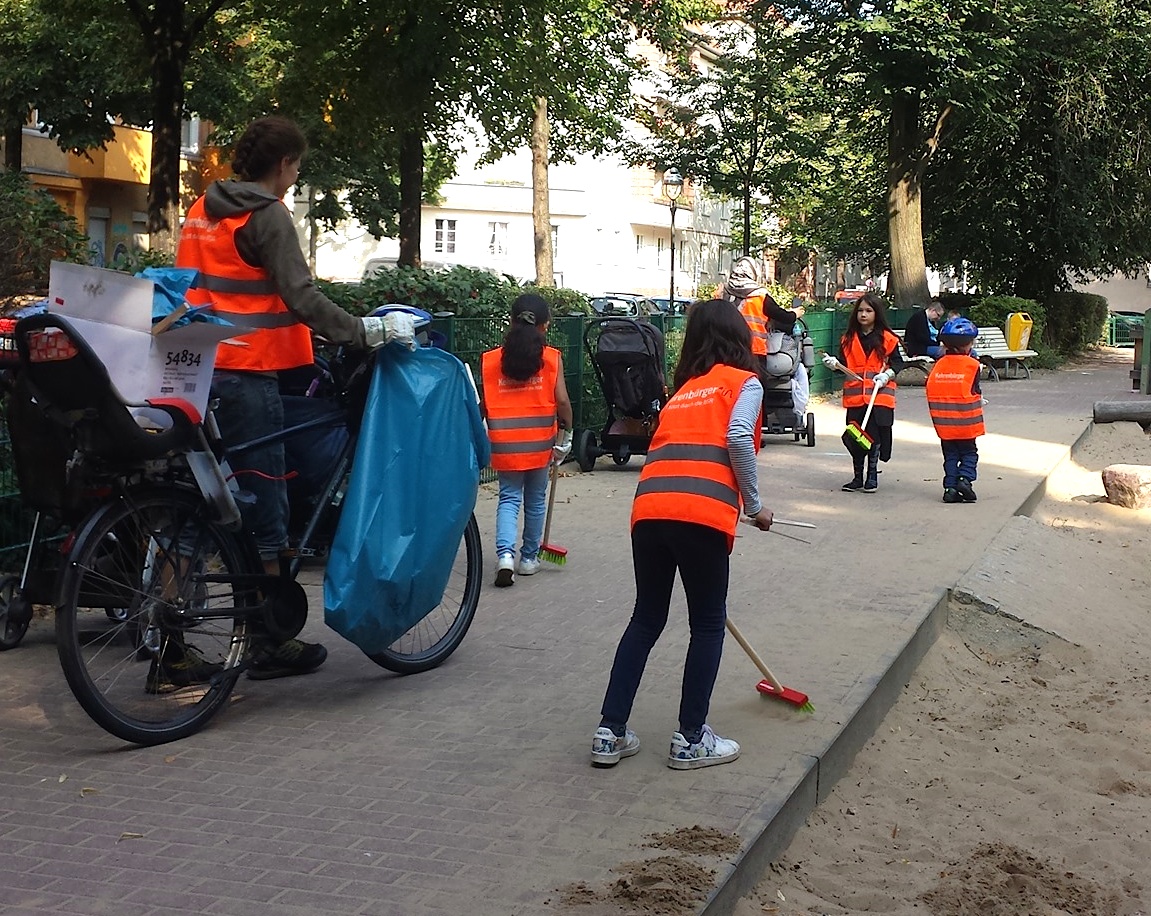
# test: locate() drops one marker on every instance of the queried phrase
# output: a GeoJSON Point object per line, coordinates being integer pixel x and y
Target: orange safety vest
{"type": "Point", "coordinates": [857, 393]}
{"type": "Point", "coordinates": [688, 475]}
{"type": "Point", "coordinates": [956, 412]}
{"type": "Point", "coordinates": [752, 311]}
{"type": "Point", "coordinates": [242, 294]}
{"type": "Point", "coordinates": [521, 415]}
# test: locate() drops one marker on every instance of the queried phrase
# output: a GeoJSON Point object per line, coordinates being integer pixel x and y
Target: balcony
{"type": "Point", "coordinates": [127, 158]}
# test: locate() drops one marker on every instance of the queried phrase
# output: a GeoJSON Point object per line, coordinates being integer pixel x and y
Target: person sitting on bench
{"type": "Point", "coordinates": [921, 338]}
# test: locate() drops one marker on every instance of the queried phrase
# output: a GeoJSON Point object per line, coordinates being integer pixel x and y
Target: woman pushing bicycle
{"type": "Point", "coordinates": [240, 237]}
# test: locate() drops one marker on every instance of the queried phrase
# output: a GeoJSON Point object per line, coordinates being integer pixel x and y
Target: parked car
{"type": "Point", "coordinates": [612, 304]}
{"type": "Point", "coordinates": [667, 307]}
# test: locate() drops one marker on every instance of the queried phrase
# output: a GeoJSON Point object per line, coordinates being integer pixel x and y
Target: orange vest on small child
{"type": "Point", "coordinates": [956, 411]}
{"type": "Point", "coordinates": [688, 476]}
{"type": "Point", "coordinates": [521, 415]}
{"type": "Point", "coordinates": [857, 393]}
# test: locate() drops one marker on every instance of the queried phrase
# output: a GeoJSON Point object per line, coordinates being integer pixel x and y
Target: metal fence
{"type": "Point", "coordinates": [1119, 330]}
{"type": "Point", "coordinates": [468, 338]}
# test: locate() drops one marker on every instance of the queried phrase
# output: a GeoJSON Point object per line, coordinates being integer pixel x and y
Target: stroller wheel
{"type": "Point", "coordinates": [584, 448]}
{"type": "Point", "coordinates": [621, 459]}
{"type": "Point", "coordinates": [15, 614]}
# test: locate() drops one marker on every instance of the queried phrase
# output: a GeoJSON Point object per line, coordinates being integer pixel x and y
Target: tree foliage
{"type": "Point", "coordinates": [34, 231]}
{"type": "Point", "coordinates": [1057, 185]}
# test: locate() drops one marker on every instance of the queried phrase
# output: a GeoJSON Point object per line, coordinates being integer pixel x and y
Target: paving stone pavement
{"type": "Point", "coordinates": [467, 790]}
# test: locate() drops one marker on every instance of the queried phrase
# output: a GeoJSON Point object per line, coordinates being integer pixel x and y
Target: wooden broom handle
{"type": "Point", "coordinates": [551, 502]}
{"type": "Point", "coordinates": [753, 655]}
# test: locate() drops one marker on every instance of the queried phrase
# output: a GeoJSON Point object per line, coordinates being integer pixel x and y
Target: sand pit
{"type": "Point", "coordinates": [1013, 777]}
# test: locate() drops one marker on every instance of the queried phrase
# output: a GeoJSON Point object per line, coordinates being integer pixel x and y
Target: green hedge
{"type": "Point", "coordinates": [464, 292]}
{"type": "Point", "coordinates": [1075, 321]}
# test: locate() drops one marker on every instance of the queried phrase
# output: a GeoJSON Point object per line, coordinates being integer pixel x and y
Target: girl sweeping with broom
{"type": "Point", "coordinates": [524, 393]}
{"type": "Point", "coordinates": [700, 468]}
{"type": "Point", "coordinates": [869, 353]}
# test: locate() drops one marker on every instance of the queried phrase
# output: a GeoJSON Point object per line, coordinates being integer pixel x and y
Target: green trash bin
{"type": "Point", "coordinates": [1018, 330]}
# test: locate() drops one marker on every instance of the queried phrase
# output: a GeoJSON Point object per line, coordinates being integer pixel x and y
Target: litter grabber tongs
{"type": "Point", "coordinates": [783, 521]}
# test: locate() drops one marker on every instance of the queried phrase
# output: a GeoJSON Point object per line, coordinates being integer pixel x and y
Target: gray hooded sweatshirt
{"type": "Point", "coordinates": [268, 240]}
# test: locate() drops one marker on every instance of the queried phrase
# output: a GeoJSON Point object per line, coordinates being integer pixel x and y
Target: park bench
{"type": "Point", "coordinates": [996, 355]}
{"type": "Point", "coordinates": [993, 352]}
{"type": "Point", "coordinates": [917, 369]}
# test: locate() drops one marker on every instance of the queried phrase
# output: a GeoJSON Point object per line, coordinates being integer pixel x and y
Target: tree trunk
{"type": "Point", "coordinates": [168, 43]}
{"type": "Point", "coordinates": [411, 196]}
{"type": "Point", "coordinates": [313, 230]}
{"type": "Point", "coordinates": [14, 148]}
{"type": "Point", "coordinates": [907, 286]}
{"type": "Point", "coordinates": [746, 219]}
{"type": "Point", "coordinates": [541, 205]}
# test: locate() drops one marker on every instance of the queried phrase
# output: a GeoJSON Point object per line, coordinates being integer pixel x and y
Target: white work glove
{"type": "Point", "coordinates": [882, 378]}
{"type": "Point", "coordinates": [563, 446]}
{"type": "Point", "coordinates": [830, 361]}
{"type": "Point", "coordinates": [394, 326]}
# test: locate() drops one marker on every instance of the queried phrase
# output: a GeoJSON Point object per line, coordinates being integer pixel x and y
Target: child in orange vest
{"type": "Point", "coordinates": [869, 349]}
{"type": "Point", "coordinates": [700, 470]}
{"type": "Point", "coordinates": [524, 393]}
{"type": "Point", "coordinates": [956, 406]}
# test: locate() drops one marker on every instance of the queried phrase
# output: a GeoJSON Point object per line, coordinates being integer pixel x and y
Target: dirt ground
{"type": "Point", "coordinates": [1013, 777]}
{"type": "Point", "coordinates": [1014, 774]}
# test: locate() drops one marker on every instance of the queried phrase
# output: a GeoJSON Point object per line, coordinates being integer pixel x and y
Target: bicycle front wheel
{"type": "Point", "coordinates": [437, 636]}
{"type": "Point", "coordinates": [150, 641]}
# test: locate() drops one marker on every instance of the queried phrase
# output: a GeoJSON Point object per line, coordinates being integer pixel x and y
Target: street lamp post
{"type": "Point", "coordinates": [672, 188]}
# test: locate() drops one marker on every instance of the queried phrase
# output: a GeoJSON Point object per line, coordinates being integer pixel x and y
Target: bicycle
{"type": "Point", "coordinates": [162, 593]}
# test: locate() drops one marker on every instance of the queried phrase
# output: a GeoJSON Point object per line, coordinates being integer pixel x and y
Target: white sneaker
{"type": "Point", "coordinates": [505, 570]}
{"type": "Point", "coordinates": [607, 748]}
{"type": "Point", "coordinates": [709, 751]}
{"type": "Point", "coordinates": [529, 567]}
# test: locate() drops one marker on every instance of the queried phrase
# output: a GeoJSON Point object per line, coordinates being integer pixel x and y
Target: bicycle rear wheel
{"type": "Point", "coordinates": [434, 638]}
{"type": "Point", "coordinates": [137, 656]}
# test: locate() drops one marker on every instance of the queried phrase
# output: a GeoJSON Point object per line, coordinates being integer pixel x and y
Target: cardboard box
{"type": "Point", "coordinates": [112, 311]}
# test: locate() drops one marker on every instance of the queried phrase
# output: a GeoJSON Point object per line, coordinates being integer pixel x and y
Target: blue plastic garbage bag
{"type": "Point", "coordinates": [413, 488]}
{"type": "Point", "coordinates": [170, 287]}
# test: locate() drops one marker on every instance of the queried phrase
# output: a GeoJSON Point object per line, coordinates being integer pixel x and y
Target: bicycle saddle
{"type": "Point", "coordinates": [72, 386]}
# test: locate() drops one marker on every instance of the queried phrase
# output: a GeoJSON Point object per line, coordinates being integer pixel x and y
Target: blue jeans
{"type": "Point", "coordinates": [960, 458]}
{"type": "Point", "coordinates": [529, 489]}
{"type": "Point", "coordinates": [700, 554]}
{"type": "Point", "coordinates": [250, 407]}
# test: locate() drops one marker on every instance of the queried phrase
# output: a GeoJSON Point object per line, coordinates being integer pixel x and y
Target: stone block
{"type": "Point", "coordinates": [1128, 485]}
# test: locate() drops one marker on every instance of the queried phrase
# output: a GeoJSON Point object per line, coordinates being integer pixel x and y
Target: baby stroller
{"type": "Point", "coordinates": [627, 355]}
{"type": "Point", "coordinates": [785, 352]}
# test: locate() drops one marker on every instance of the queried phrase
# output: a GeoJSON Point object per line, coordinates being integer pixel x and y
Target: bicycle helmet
{"type": "Point", "coordinates": [957, 331]}
{"type": "Point", "coordinates": [959, 327]}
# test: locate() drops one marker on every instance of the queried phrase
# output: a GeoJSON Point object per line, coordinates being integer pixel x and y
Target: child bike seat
{"type": "Point", "coordinates": [71, 385]}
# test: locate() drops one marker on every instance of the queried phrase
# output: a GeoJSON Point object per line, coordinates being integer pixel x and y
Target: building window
{"type": "Point", "coordinates": [555, 241]}
{"type": "Point", "coordinates": [190, 137]}
{"type": "Point", "coordinates": [639, 244]}
{"type": "Point", "coordinates": [498, 239]}
{"type": "Point", "coordinates": [446, 236]}
{"type": "Point", "coordinates": [659, 252]}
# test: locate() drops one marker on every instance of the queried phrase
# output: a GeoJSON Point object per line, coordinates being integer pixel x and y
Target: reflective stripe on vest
{"type": "Point", "coordinates": [242, 294]}
{"type": "Point", "coordinates": [521, 416]}
{"type": "Point", "coordinates": [956, 411]}
{"type": "Point", "coordinates": [868, 365]}
{"type": "Point", "coordinates": [751, 308]}
{"type": "Point", "coordinates": [687, 475]}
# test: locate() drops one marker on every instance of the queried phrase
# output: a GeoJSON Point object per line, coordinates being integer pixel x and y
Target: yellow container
{"type": "Point", "coordinates": [1018, 330]}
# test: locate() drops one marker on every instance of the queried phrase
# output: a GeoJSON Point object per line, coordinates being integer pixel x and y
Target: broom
{"type": "Point", "coordinates": [855, 437]}
{"type": "Point", "coordinates": [552, 553]}
{"type": "Point", "coordinates": [770, 685]}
